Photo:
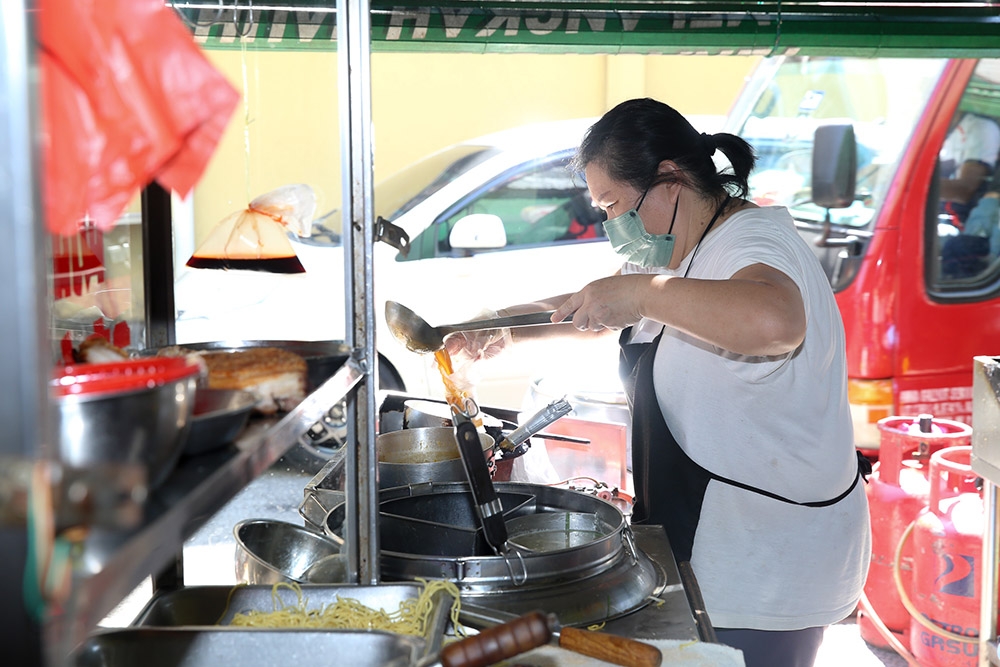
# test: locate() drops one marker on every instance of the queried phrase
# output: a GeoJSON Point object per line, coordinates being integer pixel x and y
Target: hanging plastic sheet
{"type": "Point", "coordinates": [127, 97]}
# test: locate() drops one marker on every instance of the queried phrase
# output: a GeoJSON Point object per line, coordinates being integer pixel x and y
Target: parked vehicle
{"type": "Point", "coordinates": [913, 323]}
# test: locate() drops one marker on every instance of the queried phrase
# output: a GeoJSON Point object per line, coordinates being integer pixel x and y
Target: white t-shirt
{"type": "Point", "coordinates": [781, 424]}
{"type": "Point", "coordinates": [974, 138]}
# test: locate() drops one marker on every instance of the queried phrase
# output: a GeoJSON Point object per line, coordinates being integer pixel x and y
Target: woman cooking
{"type": "Point", "coordinates": [733, 359]}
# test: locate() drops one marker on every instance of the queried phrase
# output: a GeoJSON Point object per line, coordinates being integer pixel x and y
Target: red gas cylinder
{"type": "Point", "coordinates": [947, 550]}
{"type": "Point", "coordinates": [897, 491]}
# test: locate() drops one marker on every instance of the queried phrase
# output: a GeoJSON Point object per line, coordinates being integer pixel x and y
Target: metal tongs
{"type": "Point", "coordinates": [515, 443]}
{"type": "Point", "coordinates": [484, 496]}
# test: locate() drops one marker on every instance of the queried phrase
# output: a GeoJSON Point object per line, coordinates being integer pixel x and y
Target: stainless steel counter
{"type": "Point", "coordinates": [209, 559]}
{"type": "Point", "coordinates": [676, 613]}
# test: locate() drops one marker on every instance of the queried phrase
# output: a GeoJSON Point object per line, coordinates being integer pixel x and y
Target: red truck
{"type": "Point", "coordinates": [855, 148]}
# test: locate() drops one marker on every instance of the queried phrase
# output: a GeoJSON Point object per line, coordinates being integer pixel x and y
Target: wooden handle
{"type": "Point", "coordinates": [499, 642]}
{"type": "Point", "coordinates": [610, 648]}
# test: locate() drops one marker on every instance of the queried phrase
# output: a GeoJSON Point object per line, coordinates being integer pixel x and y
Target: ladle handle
{"type": "Point", "coordinates": [523, 320]}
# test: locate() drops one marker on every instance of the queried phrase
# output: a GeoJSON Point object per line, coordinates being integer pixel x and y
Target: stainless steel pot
{"type": "Point", "coordinates": [584, 568]}
{"type": "Point", "coordinates": [417, 455]}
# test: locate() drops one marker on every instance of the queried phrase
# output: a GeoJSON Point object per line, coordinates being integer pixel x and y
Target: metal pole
{"type": "Point", "coordinates": [354, 59]}
{"type": "Point", "coordinates": [27, 361]}
{"type": "Point", "coordinates": [988, 585]}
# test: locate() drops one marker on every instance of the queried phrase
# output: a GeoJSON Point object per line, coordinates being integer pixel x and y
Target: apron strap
{"type": "Point", "coordinates": [864, 469]}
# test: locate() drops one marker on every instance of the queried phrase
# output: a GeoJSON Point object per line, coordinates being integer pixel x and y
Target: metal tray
{"type": "Point", "coordinates": [205, 612]}
{"type": "Point", "coordinates": [205, 647]}
{"type": "Point", "coordinates": [216, 605]}
{"type": "Point", "coordinates": [323, 358]}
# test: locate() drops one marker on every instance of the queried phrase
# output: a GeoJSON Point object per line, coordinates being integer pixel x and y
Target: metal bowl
{"type": "Point", "coordinates": [270, 551]}
{"type": "Point", "coordinates": [129, 412]}
{"type": "Point", "coordinates": [219, 416]}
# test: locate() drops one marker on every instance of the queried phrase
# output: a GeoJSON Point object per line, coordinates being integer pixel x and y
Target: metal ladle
{"type": "Point", "coordinates": [419, 336]}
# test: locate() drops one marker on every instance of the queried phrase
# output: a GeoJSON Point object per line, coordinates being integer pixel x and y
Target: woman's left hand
{"type": "Point", "coordinates": [607, 303]}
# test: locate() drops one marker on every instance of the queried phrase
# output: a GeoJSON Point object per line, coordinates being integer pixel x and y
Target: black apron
{"type": "Point", "coordinates": [675, 497]}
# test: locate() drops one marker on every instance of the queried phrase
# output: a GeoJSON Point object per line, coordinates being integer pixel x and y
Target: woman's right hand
{"type": "Point", "coordinates": [610, 303]}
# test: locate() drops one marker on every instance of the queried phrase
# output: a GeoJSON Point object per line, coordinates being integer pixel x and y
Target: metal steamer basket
{"type": "Point", "coordinates": [570, 553]}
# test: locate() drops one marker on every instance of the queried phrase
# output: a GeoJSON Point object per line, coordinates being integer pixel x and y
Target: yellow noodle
{"type": "Point", "coordinates": [229, 599]}
{"type": "Point", "coordinates": [347, 613]}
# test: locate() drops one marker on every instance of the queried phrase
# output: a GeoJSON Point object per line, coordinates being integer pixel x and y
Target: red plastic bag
{"type": "Point", "coordinates": [127, 97]}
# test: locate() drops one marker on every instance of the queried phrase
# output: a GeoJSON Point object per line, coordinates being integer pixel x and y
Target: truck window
{"type": "Point", "coordinates": [964, 211]}
{"type": "Point", "coordinates": [784, 103]}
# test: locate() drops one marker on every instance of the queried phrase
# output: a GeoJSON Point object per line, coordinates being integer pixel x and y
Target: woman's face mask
{"type": "Point", "coordinates": [629, 238]}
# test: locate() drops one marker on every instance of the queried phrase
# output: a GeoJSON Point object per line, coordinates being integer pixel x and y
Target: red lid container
{"type": "Point", "coordinates": [120, 376]}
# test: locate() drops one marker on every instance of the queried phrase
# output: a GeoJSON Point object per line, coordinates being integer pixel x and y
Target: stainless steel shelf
{"type": "Point", "coordinates": [108, 565]}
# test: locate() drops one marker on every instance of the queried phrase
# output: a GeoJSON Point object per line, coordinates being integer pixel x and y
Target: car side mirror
{"type": "Point", "coordinates": [834, 166]}
{"type": "Point", "coordinates": [478, 231]}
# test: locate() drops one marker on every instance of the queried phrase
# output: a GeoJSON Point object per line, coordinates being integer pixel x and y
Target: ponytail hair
{"type": "Point", "coordinates": [630, 141]}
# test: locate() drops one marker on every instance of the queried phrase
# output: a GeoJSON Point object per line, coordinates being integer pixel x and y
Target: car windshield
{"type": "Point", "coordinates": [406, 188]}
{"type": "Point", "coordinates": [786, 101]}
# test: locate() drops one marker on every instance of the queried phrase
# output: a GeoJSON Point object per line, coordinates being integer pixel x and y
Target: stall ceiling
{"type": "Point", "coordinates": [809, 27]}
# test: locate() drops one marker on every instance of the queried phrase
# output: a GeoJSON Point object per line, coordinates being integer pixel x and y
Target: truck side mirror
{"type": "Point", "coordinates": [478, 231]}
{"type": "Point", "coordinates": [834, 166]}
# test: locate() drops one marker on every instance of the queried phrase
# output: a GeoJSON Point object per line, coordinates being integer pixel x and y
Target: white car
{"type": "Point", "coordinates": [491, 222]}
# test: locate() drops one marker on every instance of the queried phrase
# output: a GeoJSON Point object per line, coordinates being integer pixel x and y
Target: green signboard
{"type": "Point", "coordinates": [579, 26]}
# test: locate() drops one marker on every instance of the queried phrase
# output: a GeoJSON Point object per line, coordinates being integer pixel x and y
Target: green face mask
{"type": "Point", "coordinates": [629, 238]}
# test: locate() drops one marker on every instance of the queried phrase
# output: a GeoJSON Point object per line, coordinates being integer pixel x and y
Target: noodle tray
{"type": "Point", "coordinates": [189, 627]}
{"type": "Point", "coordinates": [193, 646]}
{"type": "Point", "coordinates": [207, 605]}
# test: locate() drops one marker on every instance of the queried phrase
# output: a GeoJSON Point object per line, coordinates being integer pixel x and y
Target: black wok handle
{"type": "Point", "coordinates": [499, 642]}
{"type": "Point", "coordinates": [484, 496]}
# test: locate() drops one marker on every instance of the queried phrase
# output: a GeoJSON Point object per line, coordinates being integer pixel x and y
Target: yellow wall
{"type": "Point", "coordinates": [286, 130]}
